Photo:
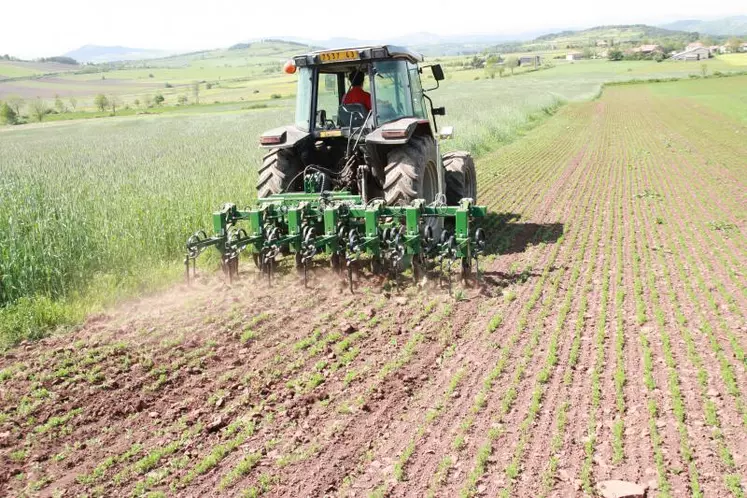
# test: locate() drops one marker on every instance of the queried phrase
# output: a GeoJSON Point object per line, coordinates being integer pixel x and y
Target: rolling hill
{"type": "Point", "coordinates": [98, 54]}
{"type": "Point", "coordinates": [727, 26]}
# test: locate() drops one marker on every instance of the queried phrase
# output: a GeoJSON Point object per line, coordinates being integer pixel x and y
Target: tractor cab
{"type": "Point", "coordinates": [392, 79]}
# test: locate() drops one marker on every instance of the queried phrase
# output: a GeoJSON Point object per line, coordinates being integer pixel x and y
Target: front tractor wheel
{"type": "Point", "coordinates": [461, 178]}
{"type": "Point", "coordinates": [281, 171]}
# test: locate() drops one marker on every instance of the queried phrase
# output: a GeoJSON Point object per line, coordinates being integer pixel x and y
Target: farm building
{"type": "Point", "coordinates": [694, 54]}
{"type": "Point", "coordinates": [693, 45]}
{"type": "Point", "coordinates": [647, 49]}
{"type": "Point", "coordinates": [530, 60]}
{"type": "Point", "coordinates": [574, 56]}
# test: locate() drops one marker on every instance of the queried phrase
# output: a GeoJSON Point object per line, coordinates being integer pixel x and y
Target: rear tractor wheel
{"type": "Point", "coordinates": [281, 171]}
{"type": "Point", "coordinates": [412, 173]}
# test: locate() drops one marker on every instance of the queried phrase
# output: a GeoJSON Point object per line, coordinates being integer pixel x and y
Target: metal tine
{"type": "Point", "coordinates": [186, 268]}
{"type": "Point", "coordinates": [350, 276]}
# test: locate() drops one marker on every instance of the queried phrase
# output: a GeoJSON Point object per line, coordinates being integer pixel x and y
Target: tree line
{"type": "Point", "coordinates": [15, 110]}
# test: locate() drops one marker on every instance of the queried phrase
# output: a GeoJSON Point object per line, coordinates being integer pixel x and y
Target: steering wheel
{"type": "Point", "coordinates": [326, 123]}
{"type": "Point", "coordinates": [352, 111]}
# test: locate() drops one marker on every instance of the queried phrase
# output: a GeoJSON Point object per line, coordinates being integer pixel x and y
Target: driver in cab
{"type": "Point", "coordinates": [356, 94]}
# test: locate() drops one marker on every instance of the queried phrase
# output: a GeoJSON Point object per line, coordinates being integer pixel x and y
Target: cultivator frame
{"type": "Point", "coordinates": [341, 226]}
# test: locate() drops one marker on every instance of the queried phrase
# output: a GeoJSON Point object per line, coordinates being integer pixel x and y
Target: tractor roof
{"type": "Point", "coordinates": [352, 54]}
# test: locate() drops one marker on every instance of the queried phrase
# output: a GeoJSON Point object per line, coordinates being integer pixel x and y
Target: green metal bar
{"type": "Point", "coordinates": [212, 241]}
{"type": "Point", "coordinates": [331, 217]}
{"type": "Point", "coordinates": [412, 229]}
{"type": "Point", "coordinates": [462, 224]}
{"type": "Point", "coordinates": [295, 216]}
{"type": "Point", "coordinates": [290, 239]}
{"type": "Point", "coordinates": [299, 196]}
{"type": "Point", "coordinates": [219, 222]}
{"type": "Point", "coordinates": [401, 211]}
{"type": "Point", "coordinates": [326, 240]}
{"type": "Point", "coordinates": [255, 218]}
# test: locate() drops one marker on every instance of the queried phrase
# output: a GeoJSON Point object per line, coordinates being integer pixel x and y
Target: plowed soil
{"type": "Point", "coordinates": [606, 340]}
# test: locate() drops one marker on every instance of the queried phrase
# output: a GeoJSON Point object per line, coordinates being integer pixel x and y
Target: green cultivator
{"type": "Point", "coordinates": [356, 180]}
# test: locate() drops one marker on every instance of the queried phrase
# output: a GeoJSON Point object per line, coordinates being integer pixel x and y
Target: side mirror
{"type": "Point", "coordinates": [438, 72]}
{"type": "Point", "coordinates": [446, 133]}
{"type": "Point", "coordinates": [439, 111]}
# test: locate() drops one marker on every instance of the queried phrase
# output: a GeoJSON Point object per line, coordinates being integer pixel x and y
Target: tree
{"type": "Point", "coordinates": [73, 102]}
{"type": "Point", "coordinates": [16, 103]}
{"type": "Point", "coordinates": [59, 105]}
{"type": "Point", "coordinates": [7, 114]}
{"type": "Point", "coordinates": [196, 92]}
{"type": "Point", "coordinates": [734, 44]}
{"type": "Point", "coordinates": [136, 102]}
{"type": "Point", "coordinates": [512, 63]}
{"type": "Point", "coordinates": [501, 70]}
{"type": "Point", "coordinates": [113, 104]}
{"type": "Point", "coordinates": [38, 109]}
{"type": "Point", "coordinates": [101, 102]}
{"type": "Point", "coordinates": [704, 70]}
{"type": "Point", "coordinates": [615, 54]}
{"type": "Point", "coordinates": [158, 99]}
{"type": "Point", "coordinates": [181, 99]}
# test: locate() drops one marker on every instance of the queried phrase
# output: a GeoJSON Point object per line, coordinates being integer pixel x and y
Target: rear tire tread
{"type": "Point", "coordinates": [405, 170]}
{"type": "Point", "coordinates": [280, 168]}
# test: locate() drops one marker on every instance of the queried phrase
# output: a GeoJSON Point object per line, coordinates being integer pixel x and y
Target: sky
{"type": "Point", "coordinates": [51, 27]}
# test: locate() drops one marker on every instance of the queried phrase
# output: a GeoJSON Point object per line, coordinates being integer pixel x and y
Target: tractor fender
{"type": "Point", "coordinates": [283, 137]}
{"type": "Point", "coordinates": [398, 132]}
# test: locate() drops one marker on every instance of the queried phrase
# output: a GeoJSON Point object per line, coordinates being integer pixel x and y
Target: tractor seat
{"type": "Point", "coordinates": [351, 115]}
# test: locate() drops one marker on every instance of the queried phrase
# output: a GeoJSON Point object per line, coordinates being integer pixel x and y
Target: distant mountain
{"type": "Point", "coordinates": [98, 54]}
{"type": "Point", "coordinates": [427, 43]}
{"type": "Point", "coordinates": [727, 26]}
{"type": "Point", "coordinates": [620, 32]}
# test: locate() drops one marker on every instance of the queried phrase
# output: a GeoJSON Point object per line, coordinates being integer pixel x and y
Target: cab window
{"type": "Point", "coordinates": [393, 95]}
{"type": "Point", "coordinates": [303, 98]}
{"type": "Point", "coordinates": [328, 99]}
{"type": "Point", "coordinates": [418, 104]}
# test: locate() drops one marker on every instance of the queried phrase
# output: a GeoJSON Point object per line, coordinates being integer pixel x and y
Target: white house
{"type": "Point", "coordinates": [693, 54]}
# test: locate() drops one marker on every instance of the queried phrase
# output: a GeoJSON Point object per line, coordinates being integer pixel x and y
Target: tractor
{"type": "Point", "coordinates": [355, 179]}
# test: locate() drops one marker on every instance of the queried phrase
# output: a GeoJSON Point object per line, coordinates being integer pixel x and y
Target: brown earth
{"type": "Point", "coordinates": [511, 388]}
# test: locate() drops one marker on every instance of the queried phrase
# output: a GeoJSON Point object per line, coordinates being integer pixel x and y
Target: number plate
{"type": "Point", "coordinates": [339, 56]}
{"type": "Point", "coordinates": [330, 133]}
